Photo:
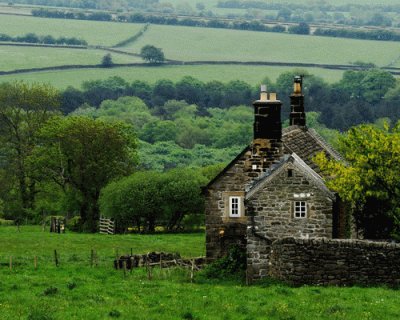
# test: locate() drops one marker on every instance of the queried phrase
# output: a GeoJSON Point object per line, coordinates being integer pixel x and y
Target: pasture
{"type": "Point", "coordinates": [225, 73]}
{"type": "Point", "coordinates": [74, 290]}
{"type": "Point", "coordinates": [15, 57]}
{"type": "Point", "coordinates": [99, 33]}
{"type": "Point", "coordinates": [189, 43]}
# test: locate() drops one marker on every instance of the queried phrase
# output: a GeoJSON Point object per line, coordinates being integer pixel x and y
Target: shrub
{"type": "Point", "coordinates": [233, 265]}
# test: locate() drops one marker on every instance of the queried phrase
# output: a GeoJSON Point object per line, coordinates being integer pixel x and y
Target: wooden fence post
{"type": "Point", "coordinates": [55, 258]}
{"type": "Point", "coordinates": [192, 271]}
{"type": "Point", "coordinates": [91, 257]}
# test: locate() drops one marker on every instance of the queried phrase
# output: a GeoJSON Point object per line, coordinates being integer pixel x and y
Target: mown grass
{"type": "Point", "coordinates": [251, 74]}
{"type": "Point", "coordinates": [189, 43]}
{"type": "Point", "coordinates": [75, 290]}
{"type": "Point", "coordinates": [15, 57]}
{"type": "Point", "coordinates": [94, 32]}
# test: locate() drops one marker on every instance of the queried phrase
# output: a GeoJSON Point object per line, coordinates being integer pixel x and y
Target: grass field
{"type": "Point", "coordinates": [188, 43]}
{"type": "Point", "coordinates": [75, 290]}
{"type": "Point", "coordinates": [251, 74]}
{"type": "Point", "coordinates": [94, 32]}
{"type": "Point", "coordinates": [13, 57]}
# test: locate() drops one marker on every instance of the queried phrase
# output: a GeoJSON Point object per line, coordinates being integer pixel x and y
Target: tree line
{"type": "Point", "coordinates": [359, 97]}
{"type": "Point", "coordinates": [46, 39]}
{"type": "Point", "coordinates": [321, 12]}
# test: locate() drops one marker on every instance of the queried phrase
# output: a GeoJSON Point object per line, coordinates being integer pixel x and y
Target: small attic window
{"type": "Point", "coordinates": [235, 204]}
{"type": "Point", "coordinates": [290, 173]}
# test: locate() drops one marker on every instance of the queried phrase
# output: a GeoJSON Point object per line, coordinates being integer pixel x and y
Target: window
{"type": "Point", "coordinates": [234, 207]}
{"type": "Point", "coordinates": [300, 209]}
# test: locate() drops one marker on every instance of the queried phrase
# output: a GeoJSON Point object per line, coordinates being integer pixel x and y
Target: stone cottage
{"type": "Point", "coordinates": [272, 189]}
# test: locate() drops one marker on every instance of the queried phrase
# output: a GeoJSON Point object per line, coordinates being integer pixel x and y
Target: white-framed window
{"type": "Point", "coordinates": [235, 207]}
{"type": "Point", "coordinates": [300, 209]}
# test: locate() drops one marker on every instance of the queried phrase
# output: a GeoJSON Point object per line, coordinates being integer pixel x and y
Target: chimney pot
{"type": "Point", "coordinates": [263, 94]}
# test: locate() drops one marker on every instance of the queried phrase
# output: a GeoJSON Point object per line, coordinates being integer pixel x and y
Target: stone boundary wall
{"type": "Point", "coordinates": [324, 261]}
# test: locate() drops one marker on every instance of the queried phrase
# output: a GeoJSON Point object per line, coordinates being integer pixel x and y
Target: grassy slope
{"type": "Point", "coordinates": [100, 292]}
{"type": "Point", "coordinates": [13, 57]}
{"type": "Point", "coordinates": [187, 43]}
{"type": "Point", "coordinates": [94, 32]}
{"type": "Point", "coordinates": [250, 74]}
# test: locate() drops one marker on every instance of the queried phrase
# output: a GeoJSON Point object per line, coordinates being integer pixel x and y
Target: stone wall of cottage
{"type": "Point", "coordinates": [273, 218]}
{"type": "Point", "coordinates": [216, 219]}
{"type": "Point", "coordinates": [335, 262]}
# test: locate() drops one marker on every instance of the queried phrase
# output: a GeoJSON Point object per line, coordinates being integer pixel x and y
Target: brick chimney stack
{"type": "Point", "coordinates": [267, 141]}
{"type": "Point", "coordinates": [297, 114]}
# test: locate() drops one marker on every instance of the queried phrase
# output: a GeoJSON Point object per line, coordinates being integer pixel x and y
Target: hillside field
{"type": "Point", "coordinates": [75, 290]}
{"type": "Point", "coordinates": [189, 43]}
{"type": "Point", "coordinates": [99, 33]}
{"type": "Point", "coordinates": [225, 73]}
{"type": "Point", "coordinates": [13, 57]}
{"type": "Point", "coordinates": [184, 44]}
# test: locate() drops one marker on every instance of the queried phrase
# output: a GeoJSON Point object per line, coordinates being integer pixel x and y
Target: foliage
{"type": "Point", "coordinates": [152, 54]}
{"type": "Point", "coordinates": [85, 154]}
{"type": "Point", "coordinates": [24, 110]}
{"type": "Point", "coordinates": [148, 199]}
{"type": "Point", "coordinates": [301, 28]}
{"type": "Point", "coordinates": [370, 179]}
{"type": "Point", "coordinates": [106, 61]}
{"type": "Point", "coordinates": [233, 265]}
{"type": "Point", "coordinates": [48, 39]}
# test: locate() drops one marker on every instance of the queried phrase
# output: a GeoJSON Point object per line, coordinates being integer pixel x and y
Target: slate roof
{"type": "Point", "coordinates": [306, 143]}
{"type": "Point", "coordinates": [274, 170]}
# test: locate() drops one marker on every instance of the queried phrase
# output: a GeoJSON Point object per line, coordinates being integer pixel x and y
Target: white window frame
{"type": "Point", "coordinates": [235, 207]}
{"type": "Point", "coordinates": [300, 209]}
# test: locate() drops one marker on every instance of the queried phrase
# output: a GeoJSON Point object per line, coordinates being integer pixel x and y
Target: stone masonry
{"type": "Point", "coordinates": [335, 262]}
{"type": "Point", "coordinates": [272, 211]}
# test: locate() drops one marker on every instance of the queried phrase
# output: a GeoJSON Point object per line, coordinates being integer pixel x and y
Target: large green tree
{"type": "Point", "coordinates": [152, 54]}
{"type": "Point", "coordinates": [85, 154]}
{"type": "Point", "coordinates": [370, 178]}
{"type": "Point", "coordinates": [24, 109]}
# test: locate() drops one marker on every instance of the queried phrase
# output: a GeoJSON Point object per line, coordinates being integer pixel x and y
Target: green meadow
{"type": "Point", "coordinates": [101, 33]}
{"type": "Point", "coordinates": [250, 74]}
{"type": "Point", "coordinates": [14, 57]}
{"type": "Point", "coordinates": [75, 290]}
{"type": "Point", "coordinates": [189, 43]}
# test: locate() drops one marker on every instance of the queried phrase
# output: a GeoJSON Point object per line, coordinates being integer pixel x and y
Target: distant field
{"type": "Point", "coordinates": [187, 43]}
{"type": "Point", "coordinates": [250, 74]}
{"type": "Point", "coordinates": [211, 3]}
{"type": "Point", "coordinates": [94, 32]}
{"type": "Point", "coordinates": [13, 57]}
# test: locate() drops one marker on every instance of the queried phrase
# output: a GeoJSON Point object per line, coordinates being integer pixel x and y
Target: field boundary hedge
{"type": "Point", "coordinates": [25, 44]}
{"type": "Point", "coordinates": [392, 70]}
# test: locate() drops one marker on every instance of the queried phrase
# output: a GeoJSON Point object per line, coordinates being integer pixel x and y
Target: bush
{"type": "Point", "coordinates": [74, 224]}
{"type": "Point", "coordinates": [232, 266]}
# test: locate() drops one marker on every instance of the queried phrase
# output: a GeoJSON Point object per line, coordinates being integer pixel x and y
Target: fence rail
{"type": "Point", "coordinates": [107, 226]}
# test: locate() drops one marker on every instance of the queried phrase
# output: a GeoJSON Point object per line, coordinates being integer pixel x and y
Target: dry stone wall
{"type": "Point", "coordinates": [335, 262]}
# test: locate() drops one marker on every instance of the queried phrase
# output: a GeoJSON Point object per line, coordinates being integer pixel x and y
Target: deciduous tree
{"type": "Point", "coordinates": [370, 179]}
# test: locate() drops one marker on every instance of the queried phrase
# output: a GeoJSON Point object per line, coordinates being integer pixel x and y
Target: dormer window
{"type": "Point", "coordinates": [235, 204]}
